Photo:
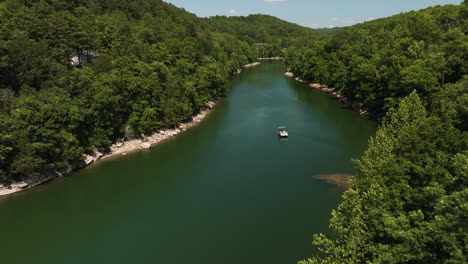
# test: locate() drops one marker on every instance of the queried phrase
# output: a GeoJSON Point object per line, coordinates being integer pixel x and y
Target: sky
{"type": "Point", "coordinates": [309, 13]}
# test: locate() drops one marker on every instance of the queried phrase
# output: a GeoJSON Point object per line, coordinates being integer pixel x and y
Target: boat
{"type": "Point", "coordinates": [282, 131]}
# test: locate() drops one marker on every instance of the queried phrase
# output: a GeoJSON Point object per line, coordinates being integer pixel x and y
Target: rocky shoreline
{"type": "Point", "coordinates": [253, 64]}
{"type": "Point", "coordinates": [250, 65]}
{"type": "Point", "coordinates": [271, 58]}
{"type": "Point", "coordinates": [119, 148]}
{"type": "Point", "coordinates": [341, 97]}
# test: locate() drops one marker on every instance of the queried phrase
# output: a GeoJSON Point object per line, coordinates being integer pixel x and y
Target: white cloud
{"type": "Point", "coordinates": [316, 25]}
{"type": "Point", "coordinates": [331, 26]}
{"type": "Point", "coordinates": [344, 20]}
{"type": "Point", "coordinates": [273, 1]}
{"type": "Point", "coordinates": [232, 12]}
{"type": "Point", "coordinates": [370, 18]}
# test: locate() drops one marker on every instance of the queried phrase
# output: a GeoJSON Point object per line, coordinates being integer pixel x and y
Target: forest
{"type": "Point", "coordinates": [143, 65]}
{"type": "Point", "coordinates": [409, 202]}
{"type": "Point", "coordinates": [139, 67]}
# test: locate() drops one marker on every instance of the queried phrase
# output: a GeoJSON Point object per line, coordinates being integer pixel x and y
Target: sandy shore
{"type": "Point", "coordinates": [119, 148]}
{"type": "Point", "coordinates": [250, 65]}
{"type": "Point", "coordinates": [253, 64]}
{"type": "Point", "coordinates": [341, 97]}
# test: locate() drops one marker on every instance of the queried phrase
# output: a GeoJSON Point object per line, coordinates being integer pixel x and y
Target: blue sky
{"type": "Point", "coordinates": [309, 13]}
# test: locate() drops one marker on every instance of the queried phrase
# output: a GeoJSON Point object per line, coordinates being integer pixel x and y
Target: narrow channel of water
{"type": "Point", "coordinates": [228, 191]}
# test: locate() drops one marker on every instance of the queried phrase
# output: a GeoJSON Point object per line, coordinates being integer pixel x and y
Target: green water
{"type": "Point", "coordinates": [227, 191]}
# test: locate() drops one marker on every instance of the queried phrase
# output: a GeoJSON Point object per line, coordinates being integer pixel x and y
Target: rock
{"type": "Point", "coordinates": [210, 104]}
{"type": "Point", "coordinates": [98, 155]}
{"type": "Point", "coordinates": [119, 144]}
{"type": "Point", "coordinates": [145, 145]}
{"type": "Point", "coordinates": [88, 159]}
{"type": "Point", "coordinates": [289, 74]}
{"type": "Point", "coordinates": [251, 64]}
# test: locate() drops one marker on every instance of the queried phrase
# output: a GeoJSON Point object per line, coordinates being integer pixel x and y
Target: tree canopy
{"type": "Point", "coordinates": [78, 75]}
{"type": "Point", "coordinates": [377, 63]}
{"type": "Point", "coordinates": [409, 202]}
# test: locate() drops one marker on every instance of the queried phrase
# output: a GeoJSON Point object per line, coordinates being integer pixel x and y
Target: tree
{"type": "Point", "coordinates": [393, 212]}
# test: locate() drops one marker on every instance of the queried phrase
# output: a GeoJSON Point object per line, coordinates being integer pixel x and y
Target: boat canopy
{"type": "Point", "coordinates": [281, 128]}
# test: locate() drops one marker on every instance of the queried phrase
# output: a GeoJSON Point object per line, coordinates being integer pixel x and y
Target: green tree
{"type": "Point", "coordinates": [393, 212]}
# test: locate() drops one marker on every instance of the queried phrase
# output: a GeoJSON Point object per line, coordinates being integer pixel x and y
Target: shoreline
{"type": "Point", "coordinates": [118, 148]}
{"type": "Point", "coordinates": [341, 97]}
{"type": "Point", "coordinates": [250, 65]}
{"type": "Point", "coordinates": [271, 58]}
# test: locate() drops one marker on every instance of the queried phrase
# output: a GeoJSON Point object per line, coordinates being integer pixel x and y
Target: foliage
{"type": "Point", "coordinates": [138, 67]}
{"type": "Point", "coordinates": [377, 63]}
{"type": "Point", "coordinates": [409, 203]}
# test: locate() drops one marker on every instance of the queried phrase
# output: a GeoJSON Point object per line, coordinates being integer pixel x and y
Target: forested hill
{"type": "Point", "coordinates": [138, 66]}
{"type": "Point", "coordinates": [378, 63]}
{"type": "Point", "coordinates": [409, 202]}
{"type": "Point", "coordinates": [260, 29]}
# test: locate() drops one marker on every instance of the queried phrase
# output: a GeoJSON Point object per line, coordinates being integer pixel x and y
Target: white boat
{"type": "Point", "coordinates": [282, 131]}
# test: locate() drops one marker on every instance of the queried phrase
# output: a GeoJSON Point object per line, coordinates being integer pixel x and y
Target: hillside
{"type": "Point", "coordinates": [409, 201]}
{"type": "Point", "coordinates": [271, 35]}
{"type": "Point", "coordinates": [76, 76]}
{"type": "Point", "coordinates": [377, 63]}
{"type": "Point", "coordinates": [259, 28]}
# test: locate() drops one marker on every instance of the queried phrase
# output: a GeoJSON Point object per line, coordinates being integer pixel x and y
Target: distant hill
{"type": "Point", "coordinates": [259, 28]}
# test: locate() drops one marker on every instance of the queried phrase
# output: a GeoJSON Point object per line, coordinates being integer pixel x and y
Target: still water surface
{"type": "Point", "coordinates": [227, 191]}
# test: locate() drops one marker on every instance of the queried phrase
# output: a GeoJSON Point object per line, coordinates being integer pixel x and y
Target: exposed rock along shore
{"type": "Point", "coordinates": [250, 65]}
{"type": "Point", "coordinates": [119, 148]}
{"type": "Point", "coordinates": [253, 64]}
{"type": "Point", "coordinates": [341, 97]}
{"type": "Point", "coordinates": [271, 58]}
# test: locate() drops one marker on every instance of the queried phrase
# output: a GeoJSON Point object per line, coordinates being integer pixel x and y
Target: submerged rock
{"type": "Point", "coordinates": [342, 181]}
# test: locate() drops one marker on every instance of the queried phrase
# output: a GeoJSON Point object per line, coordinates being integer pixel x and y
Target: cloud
{"type": "Point", "coordinates": [273, 1]}
{"type": "Point", "coordinates": [347, 21]}
{"type": "Point", "coordinates": [232, 12]}
{"type": "Point", "coordinates": [316, 25]}
{"type": "Point", "coordinates": [370, 18]}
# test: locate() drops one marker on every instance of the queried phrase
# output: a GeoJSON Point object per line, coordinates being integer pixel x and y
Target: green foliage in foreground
{"type": "Point", "coordinates": [410, 201]}
{"type": "Point", "coordinates": [143, 65]}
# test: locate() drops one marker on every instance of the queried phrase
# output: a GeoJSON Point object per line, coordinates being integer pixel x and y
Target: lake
{"type": "Point", "coordinates": [227, 191]}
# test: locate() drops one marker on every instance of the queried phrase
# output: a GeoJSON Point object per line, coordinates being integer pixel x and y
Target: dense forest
{"type": "Point", "coordinates": [137, 67]}
{"type": "Point", "coordinates": [76, 76]}
{"type": "Point", "coordinates": [409, 203]}
{"type": "Point", "coordinates": [270, 35]}
{"type": "Point", "coordinates": [378, 63]}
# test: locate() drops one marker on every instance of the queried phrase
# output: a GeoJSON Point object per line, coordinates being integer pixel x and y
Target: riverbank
{"type": "Point", "coordinates": [253, 64]}
{"type": "Point", "coordinates": [341, 97]}
{"type": "Point", "coordinates": [250, 65]}
{"type": "Point", "coordinates": [119, 148]}
{"type": "Point", "coordinates": [271, 58]}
